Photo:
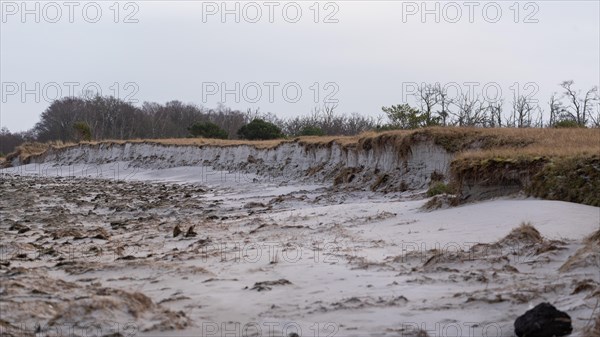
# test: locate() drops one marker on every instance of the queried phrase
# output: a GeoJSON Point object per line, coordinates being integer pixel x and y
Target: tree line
{"type": "Point", "coordinates": [96, 118]}
{"type": "Point", "coordinates": [435, 107]}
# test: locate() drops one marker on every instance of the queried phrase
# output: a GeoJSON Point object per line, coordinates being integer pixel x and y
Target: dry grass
{"type": "Point", "coordinates": [28, 149]}
{"type": "Point", "coordinates": [543, 143]}
{"type": "Point", "coordinates": [192, 142]}
{"type": "Point", "coordinates": [593, 238]}
{"type": "Point", "coordinates": [524, 234]}
{"type": "Point", "coordinates": [586, 256]}
{"type": "Point", "coordinates": [592, 328]}
{"type": "Point", "coordinates": [259, 144]}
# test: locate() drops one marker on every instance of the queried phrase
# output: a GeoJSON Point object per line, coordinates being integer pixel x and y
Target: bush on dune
{"type": "Point", "coordinates": [259, 129]}
{"type": "Point", "coordinates": [207, 130]}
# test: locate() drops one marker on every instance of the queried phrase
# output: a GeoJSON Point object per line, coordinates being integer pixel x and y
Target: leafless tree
{"type": "Point", "coordinates": [557, 109]}
{"type": "Point", "coordinates": [471, 111]}
{"type": "Point", "coordinates": [326, 120]}
{"type": "Point", "coordinates": [428, 97]}
{"type": "Point", "coordinates": [495, 114]}
{"type": "Point", "coordinates": [595, 116]}
{"type": "Point", "coordinates": [522, 112]}
{"type": "Point", "coordinates": [445, 102]}
{"type": "Point", "coordinates": [580, 107]}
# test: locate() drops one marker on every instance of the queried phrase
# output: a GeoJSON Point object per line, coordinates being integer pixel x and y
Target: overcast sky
{"type": "Point", "coordinates": [364, 54]}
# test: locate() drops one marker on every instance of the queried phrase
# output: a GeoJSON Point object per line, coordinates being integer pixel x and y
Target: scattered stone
{"type": "Point", "coordinates": [127, 258]}
{"type": "Point", "coordinates": [190, 232]}
{"type": "Point", "coordinates": [19, 228]}
{"type": "Point", "coordinates": [257, 228]}
{"type": "Point", "coordinates": [176, 231]}
{"type": "Point", "coordinates": [203, 242]}
{"type": "Point", "coordinates": [543, 321]}
{"type": "Point", "coordinates": [510, 269]}
{"type": "Point", "coordinates": [100, 236]}
{"type": "Point", "coordinates": [268, 285]}
{"type": "Point", "coordinates": [117, 225]}
{"type": "Point", "coordinates": [253, 204]}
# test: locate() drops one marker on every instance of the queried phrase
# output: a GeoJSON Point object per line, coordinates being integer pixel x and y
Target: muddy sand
{"type": "Point", "coordinates": [105, 257]}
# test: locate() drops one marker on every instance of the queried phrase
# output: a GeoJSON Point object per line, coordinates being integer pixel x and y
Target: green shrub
{"type": "Point", "coordinates": [311, 131]}
{"type": "Point", "coordinates": [403, 116]}
{"type": "Point", "coordinates": [259, 129]}
{"type": "Point", "coordinates": [82, 131]}
{"type": "Point", "coordinates": [439, 188]}
{"type": "Point", "coordinates": [567, 123]}
{"type": "Point", "coordinates": [207, 130]}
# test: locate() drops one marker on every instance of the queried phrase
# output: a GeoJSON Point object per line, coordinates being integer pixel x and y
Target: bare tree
{"type": "Point", "coordinates": [522, 112]}
{"type": "Point", "coordinates": [428, 99]}
{"type": "Point", "coordinates": [471, 111]}
{"type": "Point", "coordinates": [579, 108]}
{"type": "Point", "coordinates": [495, 114]}
{"type": "Point", "coordinates": [595, 116]}
{"type": "Point", "coordinates": [329, 114]}
{"type": "Point", "coordinates": [557, 109]}
{"type": "Point", "coordinates": [445, 103]}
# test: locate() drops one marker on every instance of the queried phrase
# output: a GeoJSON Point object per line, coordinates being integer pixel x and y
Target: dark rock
{"type": "Point", "coordinates": [190, 232]}
{"type": "Point", "coordinates": [176, 231]}
{"type": "Point", "coordinates": [267, 285]}
{"type": "Point", "coordinates": [100, 236]}
{"type": "Point", "coordinates": [25, 229]}
{"type": "Point", "coordinates": [253, 204]}
{"type": "Point", "coordinates": [118, 225]}
{"type": "Point", "coordinates": [19, 228]}
{"type": "Point", "coordinates": [127, 258]}
{"type": "Point", "coordinates": [203, 242]}
{"type": "Point", "coordinates": [543, 321]}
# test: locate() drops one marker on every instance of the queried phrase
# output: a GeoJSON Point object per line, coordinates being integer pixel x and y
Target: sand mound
{"type": "Point", "coordinates": [586, 256]}
{"type": "Point", "coordinates": [524, 240]}
{"type": "Point", "coordinates": [58, 303]}
{"type": "Point", "coordinates": [111, 304]}
{"type": "Point", "coordinates": [524, 234]}
{"type": "Point", "coordinates": [594, 238]}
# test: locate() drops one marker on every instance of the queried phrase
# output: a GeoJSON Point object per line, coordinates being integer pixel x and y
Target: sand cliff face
{"type": "Point", "coordinates": [386, 167]}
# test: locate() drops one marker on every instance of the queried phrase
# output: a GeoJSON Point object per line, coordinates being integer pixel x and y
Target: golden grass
{"type": "Point", "coordinates": [29, 149]}
{"type": "Point", "coordinates": [544, 143]}
{"type": "Point", "coordinates": [259, 144]}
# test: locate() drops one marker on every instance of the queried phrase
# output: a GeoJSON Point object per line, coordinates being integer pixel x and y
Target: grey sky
{"type": "Point", "coordinates": [178, 50]}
